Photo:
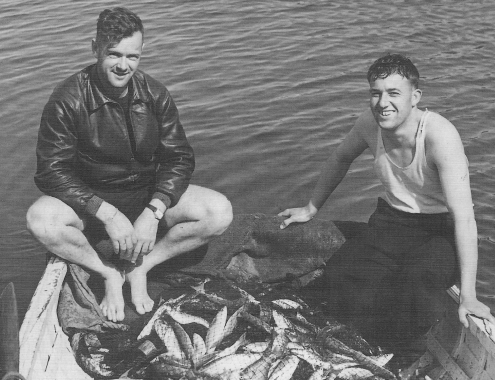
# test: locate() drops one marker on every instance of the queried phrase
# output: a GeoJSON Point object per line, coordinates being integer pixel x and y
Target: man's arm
{"type": "Point", "coordinates": [174, 154]}
{"type": "Point", "coordinates": [56, 154]}
{"type": "Point", "coordinates": [445, 148]}
{"type": "Point", "coordinates": [176, 165]}
{"type": "Point", "coordinates": [56, 175]}
{"type": "Point", "coordinates": [332, 173]}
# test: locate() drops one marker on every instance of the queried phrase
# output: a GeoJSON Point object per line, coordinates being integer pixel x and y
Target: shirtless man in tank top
{"type": "Point", "coordinates": [390, 279]}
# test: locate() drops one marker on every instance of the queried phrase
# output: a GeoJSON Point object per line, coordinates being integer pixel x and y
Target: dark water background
{"type": "Point", "coordinates": [265, 89]}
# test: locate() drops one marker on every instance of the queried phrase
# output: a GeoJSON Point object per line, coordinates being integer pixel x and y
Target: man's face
{"type": "Point", "coordinates": [117, 63]}
{"type": "Point", "coordinates": [392, 100]}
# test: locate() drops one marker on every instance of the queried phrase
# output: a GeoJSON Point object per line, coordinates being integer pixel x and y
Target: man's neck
{"type": "Point", "coordinates": [115, 92]}
{"type": "Point", "coordinates": [405, 134]}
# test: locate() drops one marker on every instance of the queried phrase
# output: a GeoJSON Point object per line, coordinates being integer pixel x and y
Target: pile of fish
{"type": "Point", "coordinates": [201, 335]}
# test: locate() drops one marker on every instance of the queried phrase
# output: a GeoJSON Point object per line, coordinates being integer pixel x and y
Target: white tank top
{"type": "Point", "coordinates": [415, 188]}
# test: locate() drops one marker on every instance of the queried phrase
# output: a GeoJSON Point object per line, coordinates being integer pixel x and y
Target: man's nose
{"type": "Point", "coordinates": [122, 63]}
{"type": "Point", "coordinates": [383, 100]}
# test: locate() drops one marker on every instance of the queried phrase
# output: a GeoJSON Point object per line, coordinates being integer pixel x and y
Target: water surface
{"type": "Point", "coordinates": [265, 89]}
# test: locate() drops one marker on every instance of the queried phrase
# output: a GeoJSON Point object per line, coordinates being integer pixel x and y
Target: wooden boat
{"type": "Point", "coordinates": [453, 353]}
{"type": "Point", "coordinates": [45, 350]}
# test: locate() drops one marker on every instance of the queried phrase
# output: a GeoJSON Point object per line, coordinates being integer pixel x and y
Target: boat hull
{"type": "Point", "coordinates": [45, 350]}
{"type": "Point", "coordinates": [453, 352]}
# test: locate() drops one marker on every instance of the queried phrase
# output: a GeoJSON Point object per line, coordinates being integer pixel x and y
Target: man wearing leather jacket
{"type": "Point", "coordinates": [114, 165]}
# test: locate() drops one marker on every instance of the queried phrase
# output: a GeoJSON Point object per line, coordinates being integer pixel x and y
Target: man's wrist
{"type": "Point", "coordinates": [157, 213]}
{"type": "Point", "coordinates": [106, 212]}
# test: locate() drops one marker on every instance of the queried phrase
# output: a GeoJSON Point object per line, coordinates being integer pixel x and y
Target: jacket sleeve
{"type": "Point", "coordinates": [56, 153]}
{"type": "Point", "coordinates": [174, 154]}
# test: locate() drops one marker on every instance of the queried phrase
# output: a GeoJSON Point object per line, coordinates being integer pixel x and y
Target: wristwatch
{"type": "Point", "coordinates": [158, 214]}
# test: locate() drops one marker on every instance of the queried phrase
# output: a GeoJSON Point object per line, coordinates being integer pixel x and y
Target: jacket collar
{"type": "Point", "coordinates": [96, 98]}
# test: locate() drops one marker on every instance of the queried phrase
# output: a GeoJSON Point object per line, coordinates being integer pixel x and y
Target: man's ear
{"type": "Point", "coordinates": [416, 96]}
{"type": "Point", "coordinates": [94, 48]}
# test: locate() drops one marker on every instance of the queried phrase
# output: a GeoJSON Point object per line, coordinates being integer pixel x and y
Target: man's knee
{"type": "Point", "coordinates": [46, 217]}
{"type": "Point", "coordinates": [218, 214]}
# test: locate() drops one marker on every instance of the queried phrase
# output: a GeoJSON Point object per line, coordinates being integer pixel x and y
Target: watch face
{"type": "Point", "coordinates": [158, 214]}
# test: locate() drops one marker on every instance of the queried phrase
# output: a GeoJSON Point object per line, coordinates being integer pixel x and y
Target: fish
{"type": "Point", "coordinates": [167, 335]}
{"type": "Point", "coordinates": [285, 368]}
{"type": "Point", "coordinates": [230, 375]}
{"type": "Point", "coordinates": [256, 347]}
{"type": "Point", "coordinates": [280, 320]}
{"type": "Point", "coordinates": [200, 289]}
{"type": "Point", "coordinates": [165, 370]}
{"type": "Point", "coordinates": [365, 361]}
{"type": "Point", "coordinates": [259, 370]}
{"type": "Point", "coordinates": [255, 321]}
{"type": "Point", "coordinates": [232, 349]}
{"type": "Point", "coordinates": [184, 340]}
{"type": "Point", "coordinates": [284, 322]}
{"type": "Point", "coordinates": [94, 363]}
{"type": "Point", "coordinates": [355, 373]}
{"type": "Point", "coordinates": [215, 333]}
{"type": "Point", "coordinates": [382, 360]}
{"type": "Point", "coordinates": [279, 343]}
{"type": "Point", "coordinates": [167, 359]}
{"type": "Point", "coordinates": [185, 319]}
{"type": "Point", "coordinates": [161, 309]}
{"type": "Point", "coordinates": [318, 374]}
{"type": "Point", "coordinates": [265, 313]}
{"type": "Point", "coordinates": [230, 363]}
{"type": "Point", "coordinates": [246, 295]}
{"type": "Point", "coordinates": [311, 357]}
{"type": "Point", "coordinates": [199, 350]}
{"type": "Point", "coordinates": [287, 304]}
{"type": "Point", "coordinates": [232, 321]}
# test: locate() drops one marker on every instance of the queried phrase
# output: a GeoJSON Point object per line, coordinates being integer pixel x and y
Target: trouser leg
{"type": "Point", "coordinates": [426, 274]}
{"type": "Point", "coordinates": [357, 280]}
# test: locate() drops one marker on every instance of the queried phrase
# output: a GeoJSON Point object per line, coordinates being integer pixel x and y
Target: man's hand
{"type": "Point", "coordinates": [299, 215]}
{"type": "Point", "coordinates": [145, 228]}
{"type": "Point", "coordinates": [121, 233]}
{"type": "Point", "coordinates": [475, 307]}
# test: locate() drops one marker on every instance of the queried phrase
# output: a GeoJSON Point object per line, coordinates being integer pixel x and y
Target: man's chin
{"type": "Point", "coordinates": [119, 84]}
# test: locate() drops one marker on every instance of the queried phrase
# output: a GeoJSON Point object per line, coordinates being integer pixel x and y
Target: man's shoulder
{"type": "Point", "coordinates": [439, 127]}
{"type": "Point", "coordinates": [442, 139]}
{"type": "Point", "coordinates": [71, 86]}
{"type": "Point", "coordinates": [147, 81]}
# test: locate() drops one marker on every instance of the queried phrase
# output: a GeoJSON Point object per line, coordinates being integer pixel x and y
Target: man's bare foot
{"type": "Point", "coordinates": [113, 303]}
{"type": "Point", "coordinates": [139, 290]}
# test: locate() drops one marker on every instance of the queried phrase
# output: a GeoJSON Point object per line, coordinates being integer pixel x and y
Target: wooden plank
{"type": "Point", "coordinates": [9, 330]}
{"type": "Point", "coordinates": [483, 330]}
{"type": "Point", "coordinates": [490, 367]}
{"type": "Point", "coordinates": [45, 351]}
{"type": "Point", "coordinates": [444, 358]}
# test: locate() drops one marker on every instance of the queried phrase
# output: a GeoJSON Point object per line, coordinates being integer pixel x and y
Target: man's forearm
{"type": "Point", "coordinates": [467, 251]}
{"type": "Point", "coordinates": [331, 175]}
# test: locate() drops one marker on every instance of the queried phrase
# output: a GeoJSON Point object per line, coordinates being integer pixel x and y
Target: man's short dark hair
{"type": "Point", "coordinates": [394, 64]}
{"type": "Point", "coordinates": [115, 24]}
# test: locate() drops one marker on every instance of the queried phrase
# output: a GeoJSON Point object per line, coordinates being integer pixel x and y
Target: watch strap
{"type": "Point", "coordinates": [158, 214]}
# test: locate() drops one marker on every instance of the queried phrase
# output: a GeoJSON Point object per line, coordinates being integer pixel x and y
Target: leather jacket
{"type": "Point", "coordinates": [84, 145]}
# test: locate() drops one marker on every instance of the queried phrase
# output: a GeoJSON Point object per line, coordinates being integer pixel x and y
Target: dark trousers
{"type": "Point", "coordinates": [390, 280]}
{"type": "Point", "coordinates": [131, 204]}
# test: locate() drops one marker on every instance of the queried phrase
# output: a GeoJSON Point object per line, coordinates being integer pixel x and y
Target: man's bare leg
{"type": "Point", "coordinates": [200, 215]}
{"type": "Point", "coordinates": [59, 229]}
